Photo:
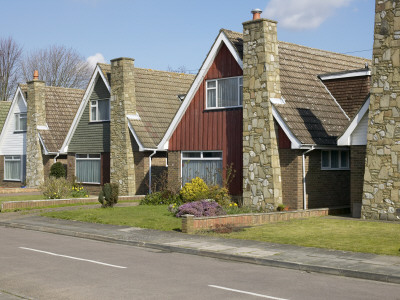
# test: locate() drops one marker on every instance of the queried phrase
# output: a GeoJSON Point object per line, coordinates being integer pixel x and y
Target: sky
{"type": "Point", "coordinates": [163, 34]}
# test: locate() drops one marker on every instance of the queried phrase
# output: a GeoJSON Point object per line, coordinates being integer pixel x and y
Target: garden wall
{"type": "Point", "coordinates": [190, 224]}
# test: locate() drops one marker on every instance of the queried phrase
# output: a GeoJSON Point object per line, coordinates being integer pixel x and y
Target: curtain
{"type": "Point", "coordinates": [211, 98]}
{"type": "Point", "coordinates": [12, 169]}
{"type": "Point", "coordinates": [228, 92]}
{"type": "Point", "coordinates": [88, 170]}
{"type": "Point", "coordinates": [104, 110]}
{"type": "Point", "coordinates": [208, 170]}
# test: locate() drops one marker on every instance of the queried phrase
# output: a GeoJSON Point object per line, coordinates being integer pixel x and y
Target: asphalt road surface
{"type": "Point", "coordinates": [37, 265]}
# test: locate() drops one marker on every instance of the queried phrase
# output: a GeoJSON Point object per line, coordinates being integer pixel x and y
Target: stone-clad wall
{"type": "Point", "coordinates": [36, 116]}
{"type": "Point", "coordinates": [123, 103]}
{"type": "Point", "coordinates": [261, 167]}
{"type": "Point", "coordinates": [382, 170]}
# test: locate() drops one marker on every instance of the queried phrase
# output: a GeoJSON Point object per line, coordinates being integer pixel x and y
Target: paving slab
{"type": "Point", "coordinates": [343, 263]}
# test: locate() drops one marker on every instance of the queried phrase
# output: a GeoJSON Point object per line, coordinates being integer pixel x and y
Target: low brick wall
{"type": "Point", "coordinates": [190, 224]}
{"type": "Point", "coordinates": [11, 205]}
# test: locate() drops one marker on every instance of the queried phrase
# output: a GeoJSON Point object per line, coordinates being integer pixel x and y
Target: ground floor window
{"type": "Point", "coordinates": [204, 164]}
{"type": "Point", "coordinates": [13, 167]}
{"type": "Point", "coordinates": [87, 168]}
{"type": "Point", "coordinates": [335, 159]}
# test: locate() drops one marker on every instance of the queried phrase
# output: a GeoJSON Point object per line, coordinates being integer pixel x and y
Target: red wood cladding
{"type": "Point", "coordinates": [283, 140]}
{"type": "Point", "coordinates": [201, 130]}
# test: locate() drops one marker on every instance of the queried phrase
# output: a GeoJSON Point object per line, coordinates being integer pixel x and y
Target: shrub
{"type": "Point", "coordinates": [203, 208]}
{"type": "Point", "coordinates": [220, 195]}
{"type": "Point", "coordinates": [108, 196]}
{"type": "Point", "coordinates": [56, 188]}
{"type": "Point", "coordinates": [77, 191]}
{"type": "Point", "coordinates": [160, 198]}
{"type": "Point", "coordinates": [195, 190]}
{"type": "Point", "coordinates": [57, 170]}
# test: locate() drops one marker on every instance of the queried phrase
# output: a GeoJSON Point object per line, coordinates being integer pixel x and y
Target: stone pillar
{"type": "Point", "coordinates": [123, 103]}
{"type": "Point", "coordinates": [382, 167]}
{"type": "Point", "coordinates": [36, 116]}
{"type": "Point", "coordinates": [261, 82]}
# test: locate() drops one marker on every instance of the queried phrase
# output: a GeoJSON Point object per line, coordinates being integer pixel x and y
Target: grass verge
{"type": "Point", "coordinates": [21, 198]}
{"type": "Point", "coordinates": [337, 234]}
{"type": "Point", "coordinates": [144, 216]}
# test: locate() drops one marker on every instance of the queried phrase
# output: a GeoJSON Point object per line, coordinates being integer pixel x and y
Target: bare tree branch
{"type": "Point", "coordinates": [10, 54]}
{"type": "Point", "coordinates": [181, 69]}
{"type": "Point", "coordinates": [57, 66]}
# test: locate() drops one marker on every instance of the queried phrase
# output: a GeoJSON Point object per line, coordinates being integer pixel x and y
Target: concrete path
{"type": "Point", "coordinates": [343, 263]}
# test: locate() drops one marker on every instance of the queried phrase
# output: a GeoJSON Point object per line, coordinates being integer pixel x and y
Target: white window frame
{"type": "Point", "coordinates": [199, 158]}
{"type": "Point", "coordinates": [339, 160]}
{"type": "Point", "coordinates": [13, 158]}
{"type": "Point", "coordinates": [96, 106]}
{"type": "Point", "coordinates": [87, 158]}
{"type": "Point", "coordinates": [240, 94]}
{"type": "Point", "coordinates": [18, 117]}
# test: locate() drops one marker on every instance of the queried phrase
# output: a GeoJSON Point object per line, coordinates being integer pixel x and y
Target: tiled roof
{"type": "Point", "coordinates": [350, 93]}
{"type": "Point", "coordinates": [310, 111]}
{"type": "Point", "coordinates": [4, 108]}
{"type": "Point", "coordinates": [156, 101]}
{"type": "Point", "coordinates": [61, 107]}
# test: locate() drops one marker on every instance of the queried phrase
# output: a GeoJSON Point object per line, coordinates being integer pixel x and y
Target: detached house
{"type": "Point", "coordinates": [120, 122]}
{"type": "Point", "coordinates": [274, 111]}
{"type": "Point", "coordinates": [34, 130]}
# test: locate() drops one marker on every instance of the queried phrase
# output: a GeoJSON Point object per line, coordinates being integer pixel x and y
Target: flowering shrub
{"type": "Point", "coordinates": [173, 208]}
{"type": "Point", "coordinates": [78, 192]}
{"type": "Point", "coordinates": [56, 188]}
{"type": "Point", "coordinates": [160, 198]}
{"type": "Point", "coordinates": [195, 190]}
{"type": "Point", "coordinates": [203, 208]}
{"type": "Point", "coordinates": [220, 195]}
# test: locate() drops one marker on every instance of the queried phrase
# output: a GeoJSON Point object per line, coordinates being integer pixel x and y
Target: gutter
{"type": "Point", "coordinates": [304, 176]}
{"type": "Point", "coordinates": [151, 155]}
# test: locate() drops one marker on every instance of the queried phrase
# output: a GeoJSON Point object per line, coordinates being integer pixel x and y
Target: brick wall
{"type": "Point", "coordinates": [357, 165]}
{"type": "Point", "coordinates": [291, 172]}
{"type": "Point", "coordinates": [174, 168]}
{"type": "Point", "coordinates": [325, 188]}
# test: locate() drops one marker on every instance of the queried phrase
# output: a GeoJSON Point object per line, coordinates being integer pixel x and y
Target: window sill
{"type": "Point", "coordinates": [337, 169]}
{"type": "Point", "coordinates": [19, 131]}
{"type": "Point", "coordinates": [13, 180]}
{"type": "Point", "coordinates": [90, 183]}
{"type": "Point", "coordinates": [222, 108]}
{"type": "Point", "coordinates": [101, 121]}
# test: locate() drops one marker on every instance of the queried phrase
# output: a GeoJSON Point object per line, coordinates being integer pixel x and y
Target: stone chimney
{"type": "Point", "coordinates": [36, 116]}
{"type": "Point", "coordinates": [382, 165]}
{"type": "Point", "coordinates": [123, 104]}
{"type": "Point", "coordinates": [261, 167]}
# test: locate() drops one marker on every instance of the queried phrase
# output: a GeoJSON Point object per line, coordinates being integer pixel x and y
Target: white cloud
{"type": "Point", "coordinates": [94, 59]}
{"type": "Point", "coordinates": [302, 14]}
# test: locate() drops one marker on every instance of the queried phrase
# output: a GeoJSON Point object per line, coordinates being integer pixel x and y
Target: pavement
{"type": "Point", "coordinates": [333, 262]}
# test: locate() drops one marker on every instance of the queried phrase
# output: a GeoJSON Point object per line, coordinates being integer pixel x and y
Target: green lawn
{"type": "Point", "coordinates": [144, 216]}
{"type": "Point", "coordinates": [338, 234]}
{"type": "Point", "coordinates": [21, 198]}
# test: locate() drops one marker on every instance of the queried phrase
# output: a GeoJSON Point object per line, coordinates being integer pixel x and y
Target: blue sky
{"type": "Point", "coordinates": [162, 33]}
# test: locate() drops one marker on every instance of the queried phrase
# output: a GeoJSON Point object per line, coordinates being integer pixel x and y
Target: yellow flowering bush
{"type": "Point", "coordinates": [77, 191]}
{"type": "Point", "coordinates": [56, 188]}
{"type": "Point", "coordinates": [220, 195]}
{"type": "Point", "coordinates": [195, 190]}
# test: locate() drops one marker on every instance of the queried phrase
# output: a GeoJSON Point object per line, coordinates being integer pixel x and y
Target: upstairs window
{"type": "Point", "coordinates": [335, 160]}
{"type": "Point", "coordinates": [224, 92]}
{"type": "Point", "coordinates": [20, 122]}
{"type": "Point", "coordinates": [99, 110]}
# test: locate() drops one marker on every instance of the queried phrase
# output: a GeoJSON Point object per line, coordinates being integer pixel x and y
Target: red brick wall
{"type": "Point", "coordinates": [326, 188]}
{"type": "Point", "coordinates": [174, 168]}
{"type": "Point", "coordinates": [291, 176]}
{"type": "Point", "coordinates": [357, 164]}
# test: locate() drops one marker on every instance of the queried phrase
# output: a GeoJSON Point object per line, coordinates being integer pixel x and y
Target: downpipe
{"type": "Point", "coordinates": [304, 177]}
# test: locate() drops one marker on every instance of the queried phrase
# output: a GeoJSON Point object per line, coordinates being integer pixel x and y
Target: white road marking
{"type": "Point", "coordinates": [244, 292]}
{"type": "Point", "coordinates": [76, 258]}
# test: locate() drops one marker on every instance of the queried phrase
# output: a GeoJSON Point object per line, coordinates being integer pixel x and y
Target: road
{"type": "Point", "coordinates": [37, 265]}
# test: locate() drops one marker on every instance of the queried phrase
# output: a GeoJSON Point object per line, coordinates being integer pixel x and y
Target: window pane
{"type": "Point", "coordinates": [211, 84]}
{"type": "Point", "coordinates": [344, 163]}
{"type": "Point", "coordinates": [208, 170]}
{"type": "Point", "coordinates": [334, 159]}
{"type": "Point", "coordinates": [16, 122]}
{"type": "Point", "coordinates": [227, 92]}
{"type": "Point", "coordinates": [211, 98]}
{"type": "Point", "coordinates": [191, 154]}
{"type": "Point", "coordinates": [12, 169]}
{"type": "Point", "coordinates": [88, 171]}
{"type": "Point", "coordinates": [22, 125]}
{"type": "Point", "coordinates": [325, 159]}
{"type": "Point", "coordinates": [104, 110]}
{"type": "Point", "coordinates": [212, 154]}
{"type": "Point", "coordinates": [94, 155]}
{"type": "Point", "coordinates": [93, 115]}
{"type": "Point", "coordinates": [81, 156]}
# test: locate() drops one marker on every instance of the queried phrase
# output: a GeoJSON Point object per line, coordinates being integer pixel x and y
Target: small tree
{"type": "Point", "coordinates": [57, 170]}
{"type": "Point", "coordinates": [108, 196]}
